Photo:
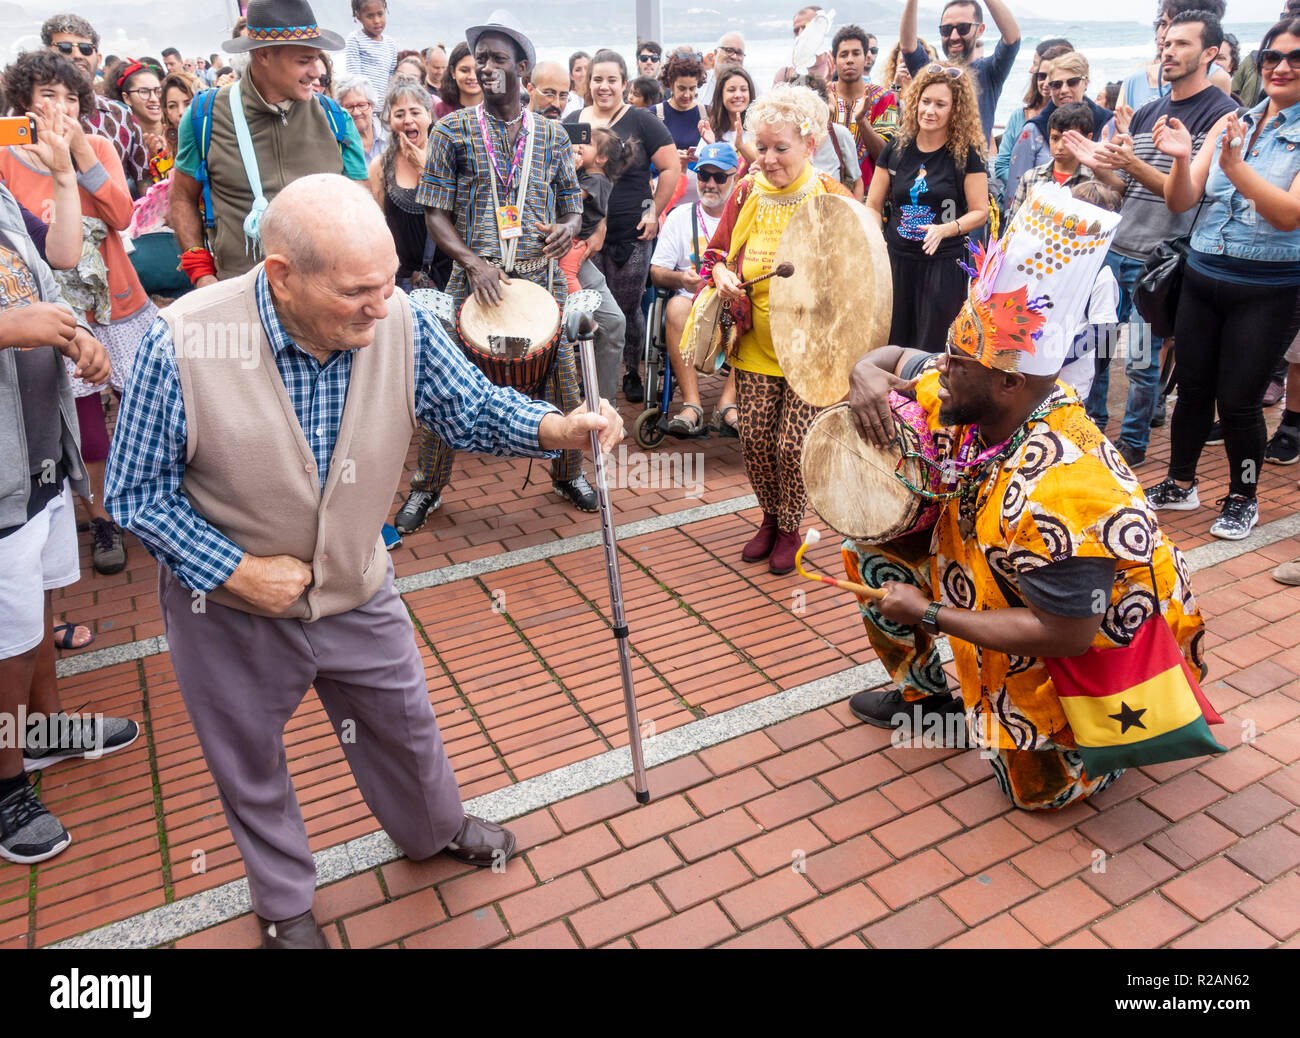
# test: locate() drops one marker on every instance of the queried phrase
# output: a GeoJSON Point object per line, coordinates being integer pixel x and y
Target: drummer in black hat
{"type": "Point", "coordinates": [237, 151]}
{"type": "Point", "coordinates": [503, 200]}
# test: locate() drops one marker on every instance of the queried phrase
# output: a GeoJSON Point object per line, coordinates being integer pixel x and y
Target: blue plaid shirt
{"type": "Point", "coordinates": [147, 459]}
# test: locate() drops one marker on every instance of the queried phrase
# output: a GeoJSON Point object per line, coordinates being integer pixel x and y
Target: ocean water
{"type": "Point", "coordinates": [1114, 50]}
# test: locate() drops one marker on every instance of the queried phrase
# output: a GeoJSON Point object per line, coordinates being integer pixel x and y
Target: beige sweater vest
{"type": "Point", "coordinates": [248, 468]}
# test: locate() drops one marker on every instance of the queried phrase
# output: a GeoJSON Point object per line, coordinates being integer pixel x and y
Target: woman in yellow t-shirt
{"type": "Point", "coordinates": [785, 124]}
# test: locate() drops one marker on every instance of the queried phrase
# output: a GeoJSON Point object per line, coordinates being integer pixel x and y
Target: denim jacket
{"type": "Point", "coordinates": [1228, 224]}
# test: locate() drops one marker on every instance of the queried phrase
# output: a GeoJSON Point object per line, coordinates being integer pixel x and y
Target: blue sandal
{"type": "Point", "coordinates": [65, 633]}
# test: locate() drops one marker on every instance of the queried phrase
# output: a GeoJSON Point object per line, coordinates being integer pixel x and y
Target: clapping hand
{"type": "Point", "coordinates": [1234, 139]}
{"type": "Point", "coordinates": [1117, 153]}
{"type": "Point", "coordinates": [1171, 138]}
{"type": "Point", "coordinates": [1123, 116]}
{"type": "Point", "coordinates": [1085, 151]}
{"type": "Point", "coordinates": [53, 131]}
{"type": "Point", "coordinates": [706, 132]}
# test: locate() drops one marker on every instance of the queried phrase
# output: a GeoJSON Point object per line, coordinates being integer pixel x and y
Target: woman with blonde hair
{"type": "Point", "coordinates": [785, 126]}
{"type": "Point", "coordinates": [894, 72]}
{"type": "Point", "coordinates": [933, 173]}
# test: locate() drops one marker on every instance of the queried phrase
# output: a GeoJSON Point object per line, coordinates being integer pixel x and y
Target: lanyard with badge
{"type": "Point", "coordinates": [509, 217]}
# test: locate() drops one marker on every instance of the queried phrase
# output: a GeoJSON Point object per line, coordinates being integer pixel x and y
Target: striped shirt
{"type": "Point", "coordinates": [374, 59]}
{"type": "Point", "coordinates": [456, 175]}
{"type": "Point", "coordinates": [147, 461]}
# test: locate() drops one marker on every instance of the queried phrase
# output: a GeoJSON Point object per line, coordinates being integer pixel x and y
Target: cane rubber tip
{"type": "Point", "coordinates": [785, 270]}
{"type": "Point", "coordinates": [812, 537]}
{"type": "Point", "coordinates": [643, 798]}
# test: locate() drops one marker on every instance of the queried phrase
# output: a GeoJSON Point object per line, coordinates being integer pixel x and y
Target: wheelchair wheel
{"type": "Point", "coordinates": [646, 430]}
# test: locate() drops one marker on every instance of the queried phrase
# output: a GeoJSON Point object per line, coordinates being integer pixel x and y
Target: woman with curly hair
{"type": "Point", "coordinates": [785, 125]}
{"type": "Point", "coordinates": [934, 178]}
{"type": "Point", "coordinates": [683, 117]}
{"type": "Point", "coordinates": [732, 94]}
{"type": "Point", "coordinates": [104, 286]}
{"type": "Point", "coordinates": [460, 87]}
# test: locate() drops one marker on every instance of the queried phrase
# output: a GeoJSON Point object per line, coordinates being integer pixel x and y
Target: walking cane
{"type": "Point", "coordinates": [579, 328]}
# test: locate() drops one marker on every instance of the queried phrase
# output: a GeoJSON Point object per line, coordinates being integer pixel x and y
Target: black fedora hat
{"type": "Point", "coordinates": [276, 23]}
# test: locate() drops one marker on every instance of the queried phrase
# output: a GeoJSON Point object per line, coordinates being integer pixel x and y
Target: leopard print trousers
{"type": "Point", "coordinates": [773, 424]}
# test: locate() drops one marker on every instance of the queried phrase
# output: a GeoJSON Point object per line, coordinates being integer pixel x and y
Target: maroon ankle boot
{"type": "Point", "coordinates": [760, 545]}
{"type": "Point", "coordinates": [783, 551]}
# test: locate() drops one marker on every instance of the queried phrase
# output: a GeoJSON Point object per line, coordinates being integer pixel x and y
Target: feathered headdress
{"type": "Point", "coordinates": [1031, 287]}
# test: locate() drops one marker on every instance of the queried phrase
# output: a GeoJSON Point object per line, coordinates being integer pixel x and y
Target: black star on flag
{"type": "Point", "coordinates": [1128, 717]}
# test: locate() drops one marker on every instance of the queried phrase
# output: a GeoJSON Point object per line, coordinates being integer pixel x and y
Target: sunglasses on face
{"type": "Point", "coordinates": [1270, 59]}
{"type": "Point", "coordinates": [712, 176]}
{"type": "Point", "coordinates": [648, 58]}
{"type": "Point", "coordinates": [1040, 76]}
{"type": "Point", "coordinates": [951, 71]}
{"type": "Point", "coordinates": [87, 49]}
{"type": "Point", "coordinates": [1058, 84]}
{"type": "Point", "coordinates": [873, 50]}
{"type": "Point", "coordinates": [960, 28]}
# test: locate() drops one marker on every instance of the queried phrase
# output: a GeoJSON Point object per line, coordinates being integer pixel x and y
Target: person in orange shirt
{"type": "Point", "coordinates": [44, 78]}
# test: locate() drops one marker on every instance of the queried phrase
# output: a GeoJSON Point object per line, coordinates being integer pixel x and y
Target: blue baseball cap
{"type": "Point", "coordinates": [720, 155]}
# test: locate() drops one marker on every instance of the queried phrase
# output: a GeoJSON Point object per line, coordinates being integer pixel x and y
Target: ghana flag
{"type": "Point", "coordinates": [1134, 705]}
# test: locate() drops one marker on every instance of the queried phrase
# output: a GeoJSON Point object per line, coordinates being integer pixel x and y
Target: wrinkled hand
{"type": "Point", "coordinates": [934, 234]}
{"type": "Point", "coordinates": [727, 283]}
{"type": "Point", "coordinates": [574, 430]}
{"type": "Point", "coordinates": [559, 239]}
{"type": "Point", "coordinates": [485, 281]}
{"type": "Point", "coordinates": [272, 583]}
{"type": "Point", "coordinates": [649, 225]}
{"type": "Point", "coordinates": [869, 389]}
{"type": "Point", "coordinates": [1123, 117]}
{"type": "Point", "coordinates": [1171, 137]}
{"type": "Point", "coordinates": [39, 324]}
{"type": "Point", "coordinates": [410, 150]}
{"type": "Point", "coordinates": [904, 603]}
{"type": "Point", "coordinates": [91, 359]}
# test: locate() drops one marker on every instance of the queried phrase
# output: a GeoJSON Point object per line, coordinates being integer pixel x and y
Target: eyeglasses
{"type": "Point", "coordinates": [64, 47]}
{"type": "Point", "coordinates": [960, 28]}
{"type": "Point", "coordinates": [951, 71]}
{"type": "Point", "coordinates": [716, 177]}
{"type": "Point", "coordinates": [873, 50]}
{"type": "Point", "coordinates": [1072, 82]}
{"type": "Point", "coordinates": [734, 51]}
{"type": "Point", "coordinates": [145, 92]}
{"type": "Point", "coordinates": [1270, 59]}
{"type": "Point", "coordinates": [648, 57]}
{"type": "Point", "coordinates": [358, 106]}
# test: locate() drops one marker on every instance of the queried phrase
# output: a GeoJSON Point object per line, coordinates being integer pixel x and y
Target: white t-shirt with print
{"type": "Point", "coordinates": [673, 251]}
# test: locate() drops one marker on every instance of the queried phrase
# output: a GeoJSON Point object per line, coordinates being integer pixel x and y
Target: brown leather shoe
{"type": "Point", "coordinates": [481, 843]}
{"type": "Point", "coordinates": [301, 931]}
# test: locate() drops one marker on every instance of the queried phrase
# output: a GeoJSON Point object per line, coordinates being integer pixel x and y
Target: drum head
{"type": "Point", "coordinates": [704, 337]}
{"type": "Point", "coordinates": [850, 483]}
{"type": "Point", "coordinates": [838, 303]}
{"type": "Point", "coordinates": [526, 311]}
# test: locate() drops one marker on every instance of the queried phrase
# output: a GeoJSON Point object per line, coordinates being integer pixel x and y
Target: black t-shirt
{"type": "Point", "coordinates": [595, 205]}
{"type": "Point", "coordinates": [648, 134]}
{"type": "Point", "coordinates": [925, 188]}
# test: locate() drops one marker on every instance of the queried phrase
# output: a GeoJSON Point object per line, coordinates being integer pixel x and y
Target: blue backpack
{"type": "Point", "coordinates": [200, 115]}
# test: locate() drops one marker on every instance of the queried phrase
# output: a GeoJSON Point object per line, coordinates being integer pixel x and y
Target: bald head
{"type": "Point", "coordinates": [549, 90]}
{"type": "Point", "coordinates": [330, 263]}
{"type": "Point", "coordinates": [302, 223]}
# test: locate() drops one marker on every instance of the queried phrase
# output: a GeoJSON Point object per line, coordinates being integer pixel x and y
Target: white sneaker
{"type": "Point", "coordinates": [1169, 495]}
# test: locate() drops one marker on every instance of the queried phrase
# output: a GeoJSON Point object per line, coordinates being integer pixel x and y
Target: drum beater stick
{"type": "Point", "coordinates": [579, 328]}
{"type": "Point", "coordinates": [861, 590]}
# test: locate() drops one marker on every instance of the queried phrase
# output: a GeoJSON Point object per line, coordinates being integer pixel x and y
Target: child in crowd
{"type": "Point", "coordinates": [1096, 338]}
{"type": "Point", "coordinates": [1064, 168]}
{"type": "Point", "coordinates": [368, 51]}
{"type": "Point", "coordinates": [645, 92]}
{"type": "Point", "coordinates": [599, 165]}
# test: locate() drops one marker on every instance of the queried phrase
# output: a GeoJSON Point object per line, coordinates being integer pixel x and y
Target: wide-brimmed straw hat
{"type": "Point", "coordinates": [277, 23]}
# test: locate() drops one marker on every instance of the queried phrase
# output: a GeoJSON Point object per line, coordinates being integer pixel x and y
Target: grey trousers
{"type": "Point", "coordinates": [242, 677]}
{"type": "Point", "coordinates": [611, 328]}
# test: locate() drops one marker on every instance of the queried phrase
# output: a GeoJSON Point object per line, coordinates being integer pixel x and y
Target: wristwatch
{"type": "Point", "coordinates": [930, 620]}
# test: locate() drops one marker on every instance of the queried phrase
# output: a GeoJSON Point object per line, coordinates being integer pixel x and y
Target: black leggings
{"type": "Point", "coordinates": [1228, 339]}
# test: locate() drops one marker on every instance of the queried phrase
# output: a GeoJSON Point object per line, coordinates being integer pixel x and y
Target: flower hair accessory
{"type": "Point", "coordinates": [805, 128]}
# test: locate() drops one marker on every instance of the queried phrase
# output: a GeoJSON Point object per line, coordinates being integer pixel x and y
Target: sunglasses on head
{"type": "Point", "coordinates": [1072, 82]}
{"type": "Point", "coordinates": [1270, 59]}
{"type": "Point", "coordinates": [716, 176]}
{"type": "Point", "coordinates": [64, 47]}
{"type": "Point", "coordinates": [960, 28]}
{"type": "Point", "coordinates": [647, 57]}
{"type": "Point", "coordinates": [951, 71]}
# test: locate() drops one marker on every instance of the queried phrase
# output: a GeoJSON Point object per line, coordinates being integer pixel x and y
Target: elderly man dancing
{"type": "Point", "coordinates": [258, 469]}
